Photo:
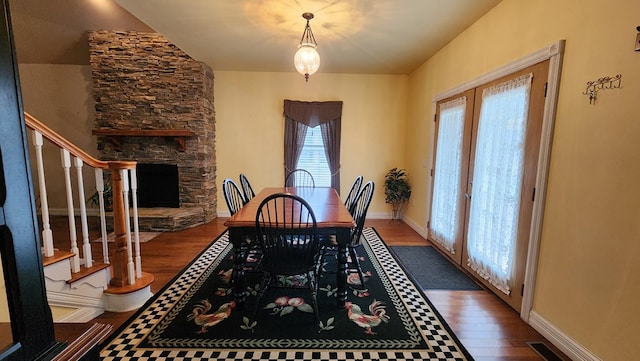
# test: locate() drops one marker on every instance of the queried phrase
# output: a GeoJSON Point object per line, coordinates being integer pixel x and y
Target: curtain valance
{"type": "Point", "coordinates": [312, 114]}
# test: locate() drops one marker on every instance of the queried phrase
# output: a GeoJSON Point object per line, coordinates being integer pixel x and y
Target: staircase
{"type": "Point", "coordinates": [78, 287]}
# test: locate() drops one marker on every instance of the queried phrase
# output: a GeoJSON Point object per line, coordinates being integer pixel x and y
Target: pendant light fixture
{"type": "Point", "coordinates": [307, 59]}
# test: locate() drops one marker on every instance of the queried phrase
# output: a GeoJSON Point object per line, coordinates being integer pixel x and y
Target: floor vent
{"type": "Point", "coordinates": [544, 351]}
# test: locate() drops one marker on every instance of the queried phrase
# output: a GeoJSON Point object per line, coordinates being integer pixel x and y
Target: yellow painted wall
{"type": "Point", "coordinates": [588, 282]}
{"type": "Point", "coordinates": [60, 97]}
{"type": "Point", "coordinates": [249, 121]}
{"type": "Point", "coordinates": [250, 125]}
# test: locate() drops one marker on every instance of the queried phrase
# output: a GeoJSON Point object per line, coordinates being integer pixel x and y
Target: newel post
{"type": "Point", "coordinates": [119, 259]}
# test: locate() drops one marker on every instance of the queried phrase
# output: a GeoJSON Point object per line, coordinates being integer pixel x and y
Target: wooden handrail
{"type": "Point", "coordinates": [121, 264]}
{"type": "Point", "coordinates": [61, 142]}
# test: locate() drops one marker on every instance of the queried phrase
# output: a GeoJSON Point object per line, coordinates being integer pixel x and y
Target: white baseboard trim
{"type": "Point", "coordinates": [410, 222]}
{"type": "Point", "coordinates": [416, 227]}
{"type": "Point", "coordinates": [80, 315]}
{"type": "Point", "coordinates": [86, 308]}
{"type": "Point", "coordinates": [73, 300]}
{"type": "Point", "coordinates": [379, 215]}
{"type": "Point", "coordinates": [565, 343]}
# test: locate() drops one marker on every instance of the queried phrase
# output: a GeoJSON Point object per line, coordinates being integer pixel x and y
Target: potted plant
{"type": "Point", "coordinates": [397, 190]}
{"type": "Point", "coordinates": [94, 200]}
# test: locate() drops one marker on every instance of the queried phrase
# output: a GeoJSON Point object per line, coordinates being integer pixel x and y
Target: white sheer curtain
{"type": "Point", "coordinates": [497, 180]}
{"type": "Point", "coordinates": [446, 184]}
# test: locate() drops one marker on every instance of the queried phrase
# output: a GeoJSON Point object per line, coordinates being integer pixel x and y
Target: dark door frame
{"type": "Point", "coordinates": [31, 319]}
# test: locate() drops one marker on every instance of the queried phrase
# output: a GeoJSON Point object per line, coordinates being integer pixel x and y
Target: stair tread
{"type": "Point", "coordinates": [144, 281]}
{"type": "Point", "coordinates": [57, 257]}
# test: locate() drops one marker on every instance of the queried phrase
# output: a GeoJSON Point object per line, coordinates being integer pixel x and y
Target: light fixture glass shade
{"type": "Point", "coordinates": [307, 60]}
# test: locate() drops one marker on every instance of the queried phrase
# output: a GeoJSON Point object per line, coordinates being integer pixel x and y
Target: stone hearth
{"type": "Point", "coordinates": [165, 219]}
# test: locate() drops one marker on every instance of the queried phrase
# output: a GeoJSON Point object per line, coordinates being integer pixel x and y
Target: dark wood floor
{"type": "Point", "coordinates": [487, 327]}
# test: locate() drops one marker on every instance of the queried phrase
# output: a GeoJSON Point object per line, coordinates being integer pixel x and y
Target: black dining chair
{"type": "Point", "coordinates": [329, 245]}
{"type": "Point", "coordinates": [247, 189]}
{"type": "Point", "coordinates": [233, 196]}
{"type": "Point", "coordinates": [250, 249]}
{"type": "Point", "coordinates": [299, 178]}
{"type": "Point", "coordinates": [287, 232]}
{"type": "Point", "coordinates": [353, 193]}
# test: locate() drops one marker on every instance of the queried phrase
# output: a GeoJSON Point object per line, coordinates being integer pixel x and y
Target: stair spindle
{"type": "Point", "coordinates": [47, 234]}
{"type": "Point", "coordinates": [73, 238]}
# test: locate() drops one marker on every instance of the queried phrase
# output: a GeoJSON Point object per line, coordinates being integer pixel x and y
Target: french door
{"type": "Point", "coordinates": [483, 189]}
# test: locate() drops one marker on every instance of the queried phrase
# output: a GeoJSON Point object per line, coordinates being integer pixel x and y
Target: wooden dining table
{"type": "Point", "coordinates": [332, 218]}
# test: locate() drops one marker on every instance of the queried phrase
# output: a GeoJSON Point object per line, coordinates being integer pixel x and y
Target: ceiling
{"type": "Point", "coordinates": [354, 36]}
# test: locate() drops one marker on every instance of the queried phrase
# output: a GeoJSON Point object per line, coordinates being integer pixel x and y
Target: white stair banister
{"type": "Point", "coordinates": [47, 235]}
{"type": "Point", "coordinates": [136, 228]}
{"type": "Point", "coordinates": [119, 268]}
{"type": "Point", "coordinates": [103, 216]}
{"type": "Point", "coordinates": [73, 238]}
{"type": "Point", "coordinates": [124, 174]}
{"type": "Point", "coordinates": [86, 246]}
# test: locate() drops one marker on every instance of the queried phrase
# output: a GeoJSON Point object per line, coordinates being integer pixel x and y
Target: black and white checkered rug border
{"type": "Point", "coordinates": [442, 344]}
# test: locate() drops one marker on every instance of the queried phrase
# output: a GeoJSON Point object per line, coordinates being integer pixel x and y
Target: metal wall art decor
{"type": "Point", "coordinates": [606, 82]}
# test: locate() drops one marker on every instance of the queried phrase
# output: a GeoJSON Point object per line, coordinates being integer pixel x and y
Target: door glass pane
{"type": "Point", "coordinates": [445, 214]}
{"type": "Point", "coordinates": [497, 180]}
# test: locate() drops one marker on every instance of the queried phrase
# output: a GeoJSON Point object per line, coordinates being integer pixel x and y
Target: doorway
{"type": "Point", "coordinates": [484, 178]}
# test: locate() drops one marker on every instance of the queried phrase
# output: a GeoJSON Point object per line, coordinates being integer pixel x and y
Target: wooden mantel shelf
{"type": "Point", "coordinates": [115, 135]}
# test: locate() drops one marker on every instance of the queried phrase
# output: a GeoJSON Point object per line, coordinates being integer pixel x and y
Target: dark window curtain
{"type": "Point", "coordinates": [294, 134]}
{"type": "Point", "coordinates": [311, 114]}
{"type": "Point", "coordinates": [331, 140]}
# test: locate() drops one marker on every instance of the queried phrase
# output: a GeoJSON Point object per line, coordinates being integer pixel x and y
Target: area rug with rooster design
{"type": "Point", "coordinates": [195, 316]}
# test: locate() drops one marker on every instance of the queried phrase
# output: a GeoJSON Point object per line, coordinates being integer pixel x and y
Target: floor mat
{"type": "Point", "coordinates": [432, 270]}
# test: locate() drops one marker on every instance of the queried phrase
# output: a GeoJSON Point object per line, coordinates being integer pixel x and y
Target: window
{"type": "Point", "coordinates": [313, 158]}
{"type": "Point", "coordinates": [315, 128]}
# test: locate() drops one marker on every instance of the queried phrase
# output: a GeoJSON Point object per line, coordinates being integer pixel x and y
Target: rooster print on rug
{"type": "Point", "coordinates": [378, 314]}
{"type": "Point", "coordinates": [205, 320]}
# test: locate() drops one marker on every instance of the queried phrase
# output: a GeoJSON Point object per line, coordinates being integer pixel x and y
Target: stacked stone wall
{"type": "Point", "coordinates": [142, 81]}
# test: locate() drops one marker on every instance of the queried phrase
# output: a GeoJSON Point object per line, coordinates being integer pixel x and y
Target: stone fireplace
{"type": "Point", "coordinates": [154, 105]}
